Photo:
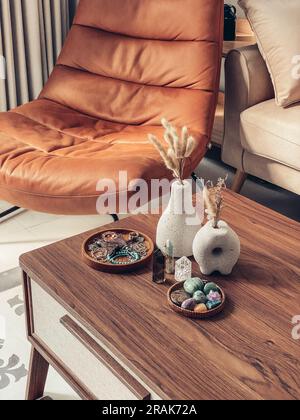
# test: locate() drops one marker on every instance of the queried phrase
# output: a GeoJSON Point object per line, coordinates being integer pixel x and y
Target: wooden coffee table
{"type": "Point", "coordinates": [114, 336]}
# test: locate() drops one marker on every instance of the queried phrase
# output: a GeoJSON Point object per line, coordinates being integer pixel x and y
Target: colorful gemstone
{"type": "Point", "coordinates": [179, 297]}
{"type": "Point", "coordinates": [213, 305]}
{"type": "Point", "coordinates": [214, 296]}
{"type": "Point", "coordinates": [192, 285]}
{"type": "Point", "coordinates": [200, 297]}
{"type": "Point", "coordinates": [210, 287]}
{"type": "Point", "coordinates": [200, 309]}
{"type": "Point", "coordinates": [189, 304]}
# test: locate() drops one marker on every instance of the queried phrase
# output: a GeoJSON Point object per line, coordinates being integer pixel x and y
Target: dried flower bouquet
{"type": "Point", "coordinates": [213, 199]}
{"type": "Point", "coordinates": [179, 148]}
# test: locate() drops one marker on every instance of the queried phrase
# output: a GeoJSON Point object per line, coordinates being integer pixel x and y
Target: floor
{"type": "Point", "coordinates": [15, 351]}
{"type": "Point", "coordinates": [30, 230]}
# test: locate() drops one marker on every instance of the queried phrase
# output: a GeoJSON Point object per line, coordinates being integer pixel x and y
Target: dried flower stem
{"type": "Point", "coordinates": [179, 149]}
{"type": "Point", "coordinates": [213, 198]}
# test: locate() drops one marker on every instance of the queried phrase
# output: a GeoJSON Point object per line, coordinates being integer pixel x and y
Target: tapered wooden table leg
{"type": "Point", "coordinates": [37, 376]}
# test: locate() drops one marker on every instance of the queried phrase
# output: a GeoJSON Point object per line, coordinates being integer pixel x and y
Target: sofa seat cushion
{"type": "Point", "coordinates": [273, 132]}
{"type": "Point", "coordinates": [52, 157]}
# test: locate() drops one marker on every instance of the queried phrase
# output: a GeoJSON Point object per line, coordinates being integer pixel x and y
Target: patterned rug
{"type": "Point", "coordinates": [14, 347]}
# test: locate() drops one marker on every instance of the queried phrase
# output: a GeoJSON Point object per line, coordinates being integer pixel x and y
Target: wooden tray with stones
{"type": "Point", "coordinates": [177, 294]}
{"type": "Point", "coordinates": [117, 251]}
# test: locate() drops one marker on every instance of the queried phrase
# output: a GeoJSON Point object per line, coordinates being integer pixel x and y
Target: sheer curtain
{"type": "Point", "coordinates": [32, 33]}
{"type": "Point", "coordinates": [73, 6]}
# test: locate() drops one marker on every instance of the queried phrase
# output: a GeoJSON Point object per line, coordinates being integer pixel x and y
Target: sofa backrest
{"type": "Point", "coordinates": [136, 61]}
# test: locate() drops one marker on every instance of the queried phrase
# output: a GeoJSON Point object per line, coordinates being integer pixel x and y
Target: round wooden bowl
{"type": "Point", "coordinates": [115, 268]}
{"type": "Point", "coordinates": [192, 314]}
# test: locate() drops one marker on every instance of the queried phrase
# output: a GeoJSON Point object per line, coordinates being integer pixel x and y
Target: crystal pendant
{"type": "Point", "coordinates": [183, 269]}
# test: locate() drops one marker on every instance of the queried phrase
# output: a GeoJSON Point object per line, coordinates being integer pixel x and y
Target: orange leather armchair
{"type": "Point", "coordinates": [125, 65]}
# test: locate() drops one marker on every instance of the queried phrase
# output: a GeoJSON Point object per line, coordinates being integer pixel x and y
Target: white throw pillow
{"type": "Point", "coordinates": [276, 24]}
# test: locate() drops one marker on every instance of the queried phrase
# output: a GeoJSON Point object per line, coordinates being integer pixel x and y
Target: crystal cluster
{"type": "Point", "coordinates": [183, 269]}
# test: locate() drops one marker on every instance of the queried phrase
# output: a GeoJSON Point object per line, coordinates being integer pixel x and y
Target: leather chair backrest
{"type": "Point", "coordinates": [136, 61]}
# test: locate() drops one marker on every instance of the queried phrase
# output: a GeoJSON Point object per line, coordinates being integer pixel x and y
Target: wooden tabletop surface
{"type": "Point", "coordinates": [247, 352]}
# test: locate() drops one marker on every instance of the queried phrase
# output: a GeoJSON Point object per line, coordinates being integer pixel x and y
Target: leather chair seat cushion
{"type": "Point", "coordinates": [52, 157]}
{"type": "Point", "coordinates": [273, 132]}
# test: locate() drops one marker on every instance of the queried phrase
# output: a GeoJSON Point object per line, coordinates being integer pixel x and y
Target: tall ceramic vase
{"type": "Point", "coordinates": [180, 222]}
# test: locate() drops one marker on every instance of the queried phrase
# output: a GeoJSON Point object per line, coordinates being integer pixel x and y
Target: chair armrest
{"type": "Point", "coordinates": [247, 83]}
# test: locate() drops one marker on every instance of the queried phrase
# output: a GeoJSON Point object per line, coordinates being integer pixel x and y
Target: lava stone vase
{"type": "Point", "coordinates": [216, 249]}
{"type": "Point", "coordinates": [180, 221]}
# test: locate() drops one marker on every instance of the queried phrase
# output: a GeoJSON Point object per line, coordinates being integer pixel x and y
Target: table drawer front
{"type": "Point", "coordinates": [80, 352]}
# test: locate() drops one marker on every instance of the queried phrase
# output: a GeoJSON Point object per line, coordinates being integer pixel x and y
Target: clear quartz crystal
{"type": "Point", "coordinates": [183, 269]}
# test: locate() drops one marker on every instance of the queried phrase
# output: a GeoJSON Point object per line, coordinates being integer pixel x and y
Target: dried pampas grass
{"type": "Point", "coordinates": [178, 148]}
{"type": "Point", "coordinates": [213, 199]}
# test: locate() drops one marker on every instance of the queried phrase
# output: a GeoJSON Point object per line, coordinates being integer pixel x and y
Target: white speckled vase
{"type": "Point", "coordinates": [216, 249]}
{"type": "Point", "coordinates": [180, 222]}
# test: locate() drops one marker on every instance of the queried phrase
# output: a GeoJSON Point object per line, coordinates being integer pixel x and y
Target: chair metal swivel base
{"type": "Point", "coordinates": [7, 214]}
{"type": "Point", "coordinates": [13, 211]}
{"type": "Point", "coordinates": [115, 217]}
